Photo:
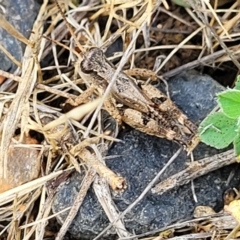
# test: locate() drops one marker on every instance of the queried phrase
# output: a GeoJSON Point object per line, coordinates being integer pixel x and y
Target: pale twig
{"type": "Point", "coordinates": [14, 32]}
{"type": "Point", "coordinates": [9, 195]}
{"type": "Point", "coordinates": [195, 170]}
{"type": "Point", "coordinates": [102, 191]}
{"type": "Point", "coordinates": [76, 114]}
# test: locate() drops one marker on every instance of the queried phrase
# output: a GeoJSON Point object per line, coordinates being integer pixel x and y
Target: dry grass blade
{"type": "Point", "coordinates": [76, 114]}
{"type": "Point", "coordinates": [9, 195]}
{"type": "Point", "coordinates": [220, 222]}
{"type": "Point", "coordinates": [217, 18]}
{"type": "Point", "coordinates": [178, 47]}
{"type": "Point", "coordinates": [44, 210]}
{"type": "Point", "coordinates": [69, 27]}
{"type": "Point", "coordinates": [211, 31]}
{"type": "Point", "coordinates": [9, 75]}
{"type": "Point", "coordinates": [9, 55]}
{"type": "Point", "coordinates": [217, 57]}
{"type": "Point", "coordinates": [18, 106]}
{"type": "Point", "coordinates": [14, 32]}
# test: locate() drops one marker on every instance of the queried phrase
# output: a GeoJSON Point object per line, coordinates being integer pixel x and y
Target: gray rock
{"type": "Point", "coordinates": [141, 157]}
{"type": "Point", "coordinates": [21, 14]}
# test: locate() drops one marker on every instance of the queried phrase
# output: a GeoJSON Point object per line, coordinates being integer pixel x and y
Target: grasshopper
{"type": "Point", "coordinates": [143, 107]}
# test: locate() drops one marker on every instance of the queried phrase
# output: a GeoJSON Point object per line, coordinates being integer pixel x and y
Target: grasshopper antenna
{"type": "Point", "coordinates": [69, 27]}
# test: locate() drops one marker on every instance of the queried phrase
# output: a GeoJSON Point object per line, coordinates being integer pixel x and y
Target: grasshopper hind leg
{"type": "Point", "coordinates": [169, 121]}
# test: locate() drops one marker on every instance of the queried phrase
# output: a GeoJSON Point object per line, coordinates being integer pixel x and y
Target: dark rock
{"type": "Point", "coordinates": [21, 14]}
{"type": "Point", "coordinates": [141, 157]}
{"type": "Point", "coordinates": [116, 46]}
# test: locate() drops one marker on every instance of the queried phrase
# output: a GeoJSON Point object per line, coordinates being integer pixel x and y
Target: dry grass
{"type": "Point", "coordinates": [22, 107]}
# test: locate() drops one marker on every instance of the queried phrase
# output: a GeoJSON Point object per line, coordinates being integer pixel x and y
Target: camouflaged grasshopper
{"type": "Point", "coordinates": [143, 107]}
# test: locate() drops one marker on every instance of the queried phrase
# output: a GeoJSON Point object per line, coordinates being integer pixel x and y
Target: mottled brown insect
{"type": "Point", "coordinates": [143, 107]}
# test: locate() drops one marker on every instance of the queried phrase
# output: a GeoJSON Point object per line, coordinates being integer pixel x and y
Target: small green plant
{"type": "Point", "coordinates": [220, 129]}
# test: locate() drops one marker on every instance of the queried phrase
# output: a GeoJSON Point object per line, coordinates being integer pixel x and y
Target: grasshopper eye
{"type": "Point", "coordinates": [86, 66]}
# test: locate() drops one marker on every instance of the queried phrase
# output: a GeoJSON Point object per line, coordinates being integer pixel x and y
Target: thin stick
{"type": "Point", "coordinates": [10, 56]}
{"type": "Point", "coordinates": [55, 91]}
{"type": "Point", "coordinates": [69, 27]}
{"type": "Point", "coordinates": [195, 170]}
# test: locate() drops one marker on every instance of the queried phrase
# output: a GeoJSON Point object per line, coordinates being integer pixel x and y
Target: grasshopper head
{"type": "Point", "coordinates": [92, 61]}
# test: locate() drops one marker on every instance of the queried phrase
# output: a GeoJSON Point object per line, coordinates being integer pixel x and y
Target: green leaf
{"type": "Point", "coordinates": [229, 101]}
{"type": "Point", "coordinates": [236, 144]}
{"type": "Point", "coordinates": [237, 84]}
{"type": "Point", "coordinates": [217, 130]}
{"type": "Point", "coordinates": [182, 3]}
